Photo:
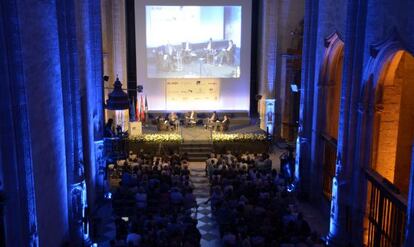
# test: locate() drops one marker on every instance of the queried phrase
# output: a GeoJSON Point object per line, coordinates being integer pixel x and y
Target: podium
{"type": "Point", "coordinates": [135, 128]}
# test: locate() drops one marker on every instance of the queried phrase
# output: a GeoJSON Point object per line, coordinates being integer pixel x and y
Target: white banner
{"type": "Point", "coordinates": [192, 94]}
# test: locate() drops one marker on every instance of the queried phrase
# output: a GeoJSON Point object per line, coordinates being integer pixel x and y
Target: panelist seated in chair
{"type": "Point", "coordinates": [191, 118]}
{"type": "Point", "coordinates": [186, 52]}
{"type": "Point", "coordinates": [168, 55]}
{"type": "Point", "coordinates": [227, 54]}
{"type": "Point", "coordinates": [162, 124]}
{"type": "Point", "coordinates": [172, 120]}
{"type": "Point", "coordinates": [225, 124]}
{"type": "Point", "coordinates": [209, 51]}
{"type": "Point", "coordinates": [211, 121]}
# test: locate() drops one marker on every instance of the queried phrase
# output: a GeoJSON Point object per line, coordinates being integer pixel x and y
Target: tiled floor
{"type": "Point", "coordinates": [208, 227]}
{"type": "Point", "coordinates": [106, 226]}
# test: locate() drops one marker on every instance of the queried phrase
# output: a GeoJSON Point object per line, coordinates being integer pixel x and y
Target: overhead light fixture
{"type": "Point", "coordinates": [294, 88]}
{"type": "Point", "coordinates": [117, 99]}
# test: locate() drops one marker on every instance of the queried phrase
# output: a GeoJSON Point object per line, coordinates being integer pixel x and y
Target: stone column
{"type": "Point", "coordinates": [40, 56]}
{"type": "Point", "coordinates": [20, 217]}
{"type": "Point", "coordinates": [119, 41]}
{"type": "Point", "coordinates": [267, 48]}
{"type": "Point", "coordinates": [72, 115]}
{"type": "Point", "coordinates": [88, 30]}
{"type": "Point", "coordinates": [267, 55]}
{"type": "Point", "coordinates": [114, 45]}
{"type": "Point", "coordinates": [345, 187]}
{"type": "Point", "coordinates": [303, 145]}
{"type": "Point", "coordinates": [19, 211]}
{"type": "Point", "coordinates": [409, 230]}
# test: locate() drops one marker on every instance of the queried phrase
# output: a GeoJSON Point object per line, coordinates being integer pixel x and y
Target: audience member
{"type": "Point", "coordinates": [162, 197]}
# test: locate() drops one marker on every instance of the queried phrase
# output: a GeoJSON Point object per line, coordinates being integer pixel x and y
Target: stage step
{"type": "Point", "coordinates": [196, 151]}
{"type": "Point", "coordinates": [196, 148]}
{"type": "Point", "coordinates": [240, 121]}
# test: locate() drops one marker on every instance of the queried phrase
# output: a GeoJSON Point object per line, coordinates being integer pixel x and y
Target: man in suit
{"type": "Point", "coordinates": [227, 53]}
{"type": "Point", "coordinates": [209, 51]}
{"type": "Point", "coordinates": [186, 52]}
{"type": "Point", "coordinates": [169, 53]}
{"type": "Point", "coordinates": [224, 125]}
{"type": "Point", "coordinates": [211, 121]}
{"type": "Point", "coordinates": [172, 120]}
{"type": "Point", "coordinates": [191, 118]}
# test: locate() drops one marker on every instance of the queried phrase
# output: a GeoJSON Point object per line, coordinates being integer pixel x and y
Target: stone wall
{"type": "Point", "coordinates": [361, 24]}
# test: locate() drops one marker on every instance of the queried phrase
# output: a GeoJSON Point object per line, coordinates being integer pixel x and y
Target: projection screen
{"type": "Point", "coordinates": [194, 56]}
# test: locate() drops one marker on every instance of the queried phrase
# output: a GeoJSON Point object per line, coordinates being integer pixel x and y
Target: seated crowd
{"type": "Point", "coordinates": [153, 202]}
{"type": "Point", "coordinates": [251, 204]}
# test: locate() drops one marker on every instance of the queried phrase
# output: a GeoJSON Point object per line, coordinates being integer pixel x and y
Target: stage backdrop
{"type": "Point", "coordinates": [196, 56]}
{"type": "Point", "coordinates": [199, 94]}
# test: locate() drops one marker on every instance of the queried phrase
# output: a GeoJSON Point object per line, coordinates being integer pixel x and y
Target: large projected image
{"type": "Point", "coordinates": [193, 41]}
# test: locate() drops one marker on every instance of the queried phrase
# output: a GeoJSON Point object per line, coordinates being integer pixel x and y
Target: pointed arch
{"type": "Point", "coordinates": [386, 134]}
{"type": "Point", "coordinates": [328, 102]}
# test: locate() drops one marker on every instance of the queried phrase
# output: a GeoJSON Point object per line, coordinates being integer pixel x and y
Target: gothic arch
{"type": "Point", "coordinates": [334, 49]}
{"type": "Point", "coordinates": [382, 101]}
{"type": "Point", "coordinates": [329, 84]}
{"type": "Point", "coordinates": [378, 74]}
{"type": "Point", "coordinates": [328, 102]}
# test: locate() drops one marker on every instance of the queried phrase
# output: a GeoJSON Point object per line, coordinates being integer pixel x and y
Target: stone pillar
{"type": "Point", "coordinates": [119, 41]}
{"type": "Point", "coordinates": [88, 30]}
{"type": "Point", "coordinates": [106, 13]}
{"type": "Point", "coordinates": [303, 144]}
{"type": "Point", "coordinates": [289, 15]}
{"type": "Point", "coordinates": [20, 211]}
{"type": "Point", "coordinates": [267, 48]}
{"type": "Point", "coordinates": [114, 45]}
{"type": "Point", "coordinates": [72, 115]}
{"type": "Point", "coordinates": [409, 230]}
{"type": "Point", "coordinates": [346, 188]}
{"type": "Point", "coordinates": [267, 54]}
{"type": "Point", "coordinates": [40, 56]}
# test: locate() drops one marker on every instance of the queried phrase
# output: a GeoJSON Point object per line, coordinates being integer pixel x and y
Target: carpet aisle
{"type": "Point", "coordinates": [210, 236]}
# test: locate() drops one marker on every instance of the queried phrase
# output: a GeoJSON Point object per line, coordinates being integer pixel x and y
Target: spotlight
{"type": "Point", "coordinates": [290, 188]}
{"type": "Point", "coordinates": [108, 195]}
{"type": "Point", "coordinates": [294, 88]}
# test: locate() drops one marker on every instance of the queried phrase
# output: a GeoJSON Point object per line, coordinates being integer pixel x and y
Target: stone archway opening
{"type": "Point", "coordinates": [391, 155]}
{"type": "Point", "coordinates": [393, 131]}
{"type": "Point", "coordinates": [332, 98]}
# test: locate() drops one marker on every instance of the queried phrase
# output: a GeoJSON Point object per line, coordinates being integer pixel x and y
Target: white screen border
{"type": "Point", "coordinates": [234, 92]}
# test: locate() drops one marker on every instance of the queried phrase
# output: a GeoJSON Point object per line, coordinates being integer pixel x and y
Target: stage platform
{"type": "Point", "coordinates": [197, 142]}
{"type": "Point", "coordinates": [200, 134]}
{"type": "Point", "coordinates": [241, 118]}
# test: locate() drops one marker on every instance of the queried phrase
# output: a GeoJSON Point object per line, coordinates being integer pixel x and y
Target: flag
{"type": "Point", "coordinates": [146, 108]}
{"type": "Point", "coordinates": [133, 109]}
{"type": "Point", "coordinates": [146, 104]}
{"type": "Point", "coordinates": [142, 110]}
{"type": "Point", "coordinates": [137, 115]}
